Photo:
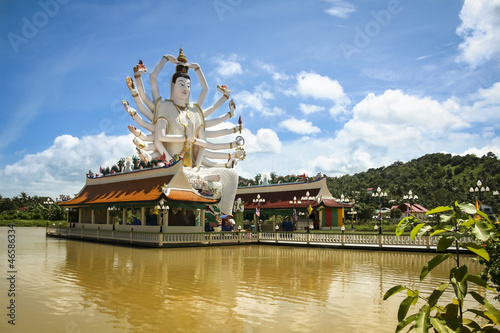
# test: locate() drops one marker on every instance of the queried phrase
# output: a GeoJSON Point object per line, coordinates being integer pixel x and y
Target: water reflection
{"type": "Point", "coordinates": [82, 287]}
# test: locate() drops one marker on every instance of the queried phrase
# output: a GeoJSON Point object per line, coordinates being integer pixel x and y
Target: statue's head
{"type": "Point", "coordinates": [180, 87]}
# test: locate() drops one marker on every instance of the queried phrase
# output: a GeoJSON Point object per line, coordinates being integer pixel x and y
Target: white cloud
{"type": "Point", "coordinates": [486, 105]}
{"type": "Point", "coordinates": [395, 107]}
{"type": "Point", "coordinates": [299, 126]}
{"type": "Point", "coordinates": [61, 168]}
{"type": "Point", "coordinates": [228, 67]}
{"type": "Point", "coordinates": [265, 141]}
{"type": "Point", "coordinates": [323, 88]}
{"type": "Point", "coordinates": [389, 127]}
{"type": "Point", "coordinates": [340, 8]}
{"type": "Point", "coordinates": [310, 108]}
{"type": "Point", "coordinates": [255, 101]}
{"type": "Point", "coordinates": [480, 30]}
{"type": "Point", "coordinates": [277, 76]}
{"type": "Point", "coordinates": [493, 146]}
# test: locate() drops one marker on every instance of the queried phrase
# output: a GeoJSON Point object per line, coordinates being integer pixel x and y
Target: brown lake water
{"type": "Point", "coordinates": [74, 286]}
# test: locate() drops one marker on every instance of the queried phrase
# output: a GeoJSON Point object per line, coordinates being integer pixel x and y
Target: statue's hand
{"type": "Point", "coordinates": [131, 111]}
{"type": "Point", "coordinates": [223, 90]}
{"type": "Point", "coordinates": [140, 69]}
{"type": "Point", "coordinates": [131, 86]}
{"type": "Point", "coordinates": [194, 66]}
{"type": "Point", "coordinates": [240, 153]}
{"type": "Point", "coordinates": [232, 107]}
{"type": "Point", "coordinates": [139, 143]}
{"type": "Point", "coordinates": [171, 58]}
{"type": "Point", "coordinates": [134, 130]}
{"type": "Point", "coordinates": [190, 131]}
{"type": "Point", "coordinates": [240, 141]}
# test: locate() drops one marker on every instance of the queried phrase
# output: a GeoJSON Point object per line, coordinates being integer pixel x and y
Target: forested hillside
{"type": "Point", "coordinates": [437, 179]}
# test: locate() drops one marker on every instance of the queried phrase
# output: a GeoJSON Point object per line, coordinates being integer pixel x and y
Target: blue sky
{"type": "Point", "coordinates": [328, 86]}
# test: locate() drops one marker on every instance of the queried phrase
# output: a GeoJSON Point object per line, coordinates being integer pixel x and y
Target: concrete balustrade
{"type": "Point", "coordinates": [155, 238]}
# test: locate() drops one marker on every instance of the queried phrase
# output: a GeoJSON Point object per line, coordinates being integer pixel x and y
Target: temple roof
{"type": "Point", "coordinates": [415, 208]}
{"type": "Point", "coordinates": [278, 196]}
{"type": "Point", "coordinates": [140, 187]}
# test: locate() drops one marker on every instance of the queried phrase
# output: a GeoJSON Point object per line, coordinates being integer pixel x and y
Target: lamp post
{"type": "Point", "coordinates": [295, 203]}
{"type": "Point", "coordinates": [479, 191]}
{"type": "Point", "coordinates": [411, 198]}
{"type": "Point", "coordinates": [48, 202]}
{"type": "Point", "coordinates": [379, 194]}
{"type": "Point", "coordinates": [308, 198]}
{"type": "Point", "coordinates": [343, 200]}
{"type": "Point", "coordinates": [258, 201]}
{"type": "Point", "coordinates": [352, 212]}
{"type": "Point", "coordinates": [162, 208]}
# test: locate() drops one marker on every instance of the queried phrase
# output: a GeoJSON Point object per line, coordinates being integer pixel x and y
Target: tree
{"type": "Point", "coordinates": [458, 225]}
{"type": "Point", "coordinates": [396, 213]}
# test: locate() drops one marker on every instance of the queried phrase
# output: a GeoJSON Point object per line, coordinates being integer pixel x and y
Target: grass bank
{"type": "Point", "coordinates": [30, 223]}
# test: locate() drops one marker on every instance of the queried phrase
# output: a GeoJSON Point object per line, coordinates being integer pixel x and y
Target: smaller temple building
{"type": "Point", "coordinates": [306, 204]}
{"type": "Point", "coordinates": [415, 210]}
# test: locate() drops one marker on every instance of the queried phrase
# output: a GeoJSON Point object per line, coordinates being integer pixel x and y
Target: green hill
{"type": "Point", "coordinates": [438, 179]}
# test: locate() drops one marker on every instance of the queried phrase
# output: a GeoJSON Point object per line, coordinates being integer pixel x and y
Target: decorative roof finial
{"type": "Point", "coordinates": [182, 57]}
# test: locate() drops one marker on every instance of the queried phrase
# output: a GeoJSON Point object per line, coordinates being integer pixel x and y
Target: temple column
{"type": "Point", "coordinates": [108, 216]}
{"type": "Point", "coordinates": [202, 218]}
{"type": "Point", "coordinates": [320, 218]}
{"type": "Point", "coordinates": [143, 215]}
{"type": "Point", "coordinates": [124, 216]}
{"type": "Point", "coordinates": [165, 217]}
{"type": "Point", "coordinates": [92, 216]}
{"type": "Point", "coordinates": [80, 213]}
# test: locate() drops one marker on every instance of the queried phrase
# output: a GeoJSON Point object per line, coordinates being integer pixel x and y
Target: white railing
{"type": "Point", "coordinates": [386, 241]}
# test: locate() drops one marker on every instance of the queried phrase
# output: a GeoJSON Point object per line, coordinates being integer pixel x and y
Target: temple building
{"type": "Point", "coordinates": [158, 197]}
{"type": "Point", "coordinates": [306, 203]}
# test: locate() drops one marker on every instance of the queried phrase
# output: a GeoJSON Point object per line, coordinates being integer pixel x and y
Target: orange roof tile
{"type": "Point", "coordinates": [135, 190]}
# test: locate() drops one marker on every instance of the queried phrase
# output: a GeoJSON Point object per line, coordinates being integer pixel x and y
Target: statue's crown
{"type": "Point", "coordinates": [181, 58]}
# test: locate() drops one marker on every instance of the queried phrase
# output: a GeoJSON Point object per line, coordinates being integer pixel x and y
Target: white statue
{"type": "Point", "coordinates": [177, 127]}
{"type": "Point", "coordinates": [180, 129]}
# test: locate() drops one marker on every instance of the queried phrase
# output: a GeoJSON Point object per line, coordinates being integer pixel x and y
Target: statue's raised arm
{"type": "Point", "coordinates": [203, 83]}
{"type": "Point", "coordinates": [155, 90]}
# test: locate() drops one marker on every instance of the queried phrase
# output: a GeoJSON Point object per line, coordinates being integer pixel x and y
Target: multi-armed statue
{"type": "Point", "coordinates": [178, 129]}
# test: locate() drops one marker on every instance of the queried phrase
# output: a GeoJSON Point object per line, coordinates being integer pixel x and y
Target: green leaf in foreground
{"type": "Point", "coordinates": [444, 243]}
{"type": "Point", "coordinates": [432, 264]}
{"type": "Point", "coordinates": [439, 325]}
{"type": "Point", "coordinates": [393, 290]}
{"type": "Point", "coordinates": [492, 312]}
{"type": "Point", "coordinates": [477, 249]}
{"type": "Point", "coordinates": [436, 294]}
{"type": "Point", "coordinates": [403, 224]}
{"type": "Point", "coordinates": [481, 231]}
{"type": "Point", "coordinates": [402, 324]}
{"type": "Point", "coordinates": [421, 319]}
{"type": "Point", "coordinates": [458, 279]}
{"type": "Point", "coordinates": [415, 230]}
{"type": "Point", "coordinates": [438, 210]}
{"type": "Point", "coordinates": [404, 307]}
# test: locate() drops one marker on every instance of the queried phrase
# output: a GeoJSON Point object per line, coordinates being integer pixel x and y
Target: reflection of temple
{"type": "Point", "coordinates": [131, 200]}
{"type": "Point", "coordinates": [312, 201]}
